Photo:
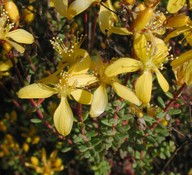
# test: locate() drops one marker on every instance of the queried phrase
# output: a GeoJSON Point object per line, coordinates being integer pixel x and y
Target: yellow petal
{"type": "Point", "coordinates": [122, 65]}
{"type": "Point", "coordinates": [4, 66]}
{"type": "Point", "coordinates": [182, 59]}
{"type": "Point", "coordinates": [80, 5]}
{"type": "Point", "coordinates": [177, 21]}
{"type": "Point", "coordinates": [140, 46]}
{"type": "Point", "coordinates": [188, 37]}
{"type": "Point", "coordinates": [63, 117]}
{"type": "Point", "coordinates": [174, 6]}
{"type": "Point", "coordinates": [175, 33]}
{"type": "Point", "coordinates": [105, 20]}
{"type": "Point", "coordinates": [99, 102]}
{"type": "Point", "coordinates": [51, 79]}
{"type": "Point", "coordinates": [44, 155]}
{"type": "Point", "coordinates": [142, 19]}
{"type": "Point", "coordinates": [21, 36]}
{"type": "Point", "coordinates": [162, 81]}
{"type": "Point", "coordinates": [188, 74]}
{"type": "Point", "coordinates": [143, 87]}
{"type": "Point", "coordinates": [62, 8]}
{"type": "Point", "coordinates": [125, 93]}
{"type": "Point", "coordinates": [83, 64]}
{"type": "Point", "coordinates": [36, 90]}
{"type": "Point", "coordinates": [81, 80]}
{"type": "Point", "coordinates": [82, 96]}
{"type": "Point", "coordinates": [159, 51]}
{"type": "Point", "coordinates": [120, 30]}
{"type": "Point", "coordinates": [18, 47]}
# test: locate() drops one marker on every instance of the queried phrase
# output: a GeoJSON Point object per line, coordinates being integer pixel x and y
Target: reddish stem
{"type": "Point", "coordinates": [175, 97]}
{"type": "Point", "coordinates": [47, 124]}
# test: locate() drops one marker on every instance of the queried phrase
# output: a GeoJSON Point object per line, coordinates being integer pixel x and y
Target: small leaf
{"type": "Point", "coordinates": [106, 122]}
{"type": "Point", "coordinates": [64, 150]}
{"type": "Point", "coordinates": [35, 120]}
{"type": "Point", "coordinates": [169, 94]}
{"type": "Point", "coordinates": [174, 111]}
{"type": "Point", "coordinates": [161, 102]}
{"type": "Point", "coordinates": [85, 116]}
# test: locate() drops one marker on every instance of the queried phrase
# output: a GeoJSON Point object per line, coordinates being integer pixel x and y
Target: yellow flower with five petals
{"type": "Point", "coordinates": [151, 56]}
{"type": "Point", "coordinates": [65, 84]}
{"type": "Point", "coordinates": [16, 36]}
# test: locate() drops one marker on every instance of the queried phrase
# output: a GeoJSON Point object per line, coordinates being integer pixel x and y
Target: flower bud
{"type": "Point", "coordinates": [34, 160]}
{"type": "Point", "coordinates": [177, 21]}
{"type": "Point", "coordinates": [12, 10]}
{"type": "Point", "coordinates": [57, 162]}
{"type": "Point", "coordinates": [7, 46]}
{"type": "Point", "coordinates": [25, 147]}
{"type": "Point", "coordinates": [142, 19]}
{"type": "Point", "coordinates": [28, 15]}
{"type": "Point", "coordinates": [36, 140]}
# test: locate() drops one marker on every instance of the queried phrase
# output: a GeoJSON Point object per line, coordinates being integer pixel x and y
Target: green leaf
{"type": "Point", "coordinates": [109, 133]}
{"type": "Point", "coordinates": [64, 150]}
{"type": "Point", "coordinates": [35, 120]}
{"type": "Point", "coordinates": [106, 122]}
{"type": "Point", "coordinates": [174, 111]}
{"type": "Point", "coordinates": [169, 94]}
{"type": "Point", "coordinates": [83, 148]}
{"type": "Point", "coordinates": [161, 102]}
{"type": "Point", "coordinates": [117, 103]}
{"type": "Point", "coordinates": [85, 116]}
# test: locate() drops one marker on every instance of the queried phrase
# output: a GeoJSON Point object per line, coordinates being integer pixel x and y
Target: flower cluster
{"type": "Point", "coordinates": [104, 77]}
{"type": "Point", "coordinates": [77, 71]}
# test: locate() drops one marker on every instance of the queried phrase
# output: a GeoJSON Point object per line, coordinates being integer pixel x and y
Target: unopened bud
{"type": "Point", "coordinates": [177, 21]}
{"type": "Point", "coordinates": [12, 10]}
{"type": "Point", "coordinates": [36, 140]}
{"type": "Point", "coordinates": [7, 46]}
{"type": "Point", "coordinates": [57, 162]}
{"type": "Point", "coordinates": [25, 147]}
{"type": "Point", "coordinates": [34, 160]}
{"type": "Point", "coordinates": [28, 15]}
{"type": "Point", "coordinates": [142, 19]}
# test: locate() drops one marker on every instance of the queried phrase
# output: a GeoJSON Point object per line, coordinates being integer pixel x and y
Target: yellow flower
{"type": "Point", "coordinates": [75, 8]}
{"type": "Point", "coordinates": [46, 166]}
{"type": "Point", "coordinates": [147, 20]}
{"type": "Point", "coordinates": [185, 29]}
{"type": "Point", "coordinates": [66, 84]}
{"type": "Point", "coordinates": [107, 19]}
{"type": "Point", "coordinates": [18, 35]}
{"type": "Point", "coordinates": [182, 68]}
{"type": "Point", "coordinates": [151, 56]}
{"type": "Point", "coordinates": [70, 51]}
{"type": "Point", "coordinates": [100, 98]}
